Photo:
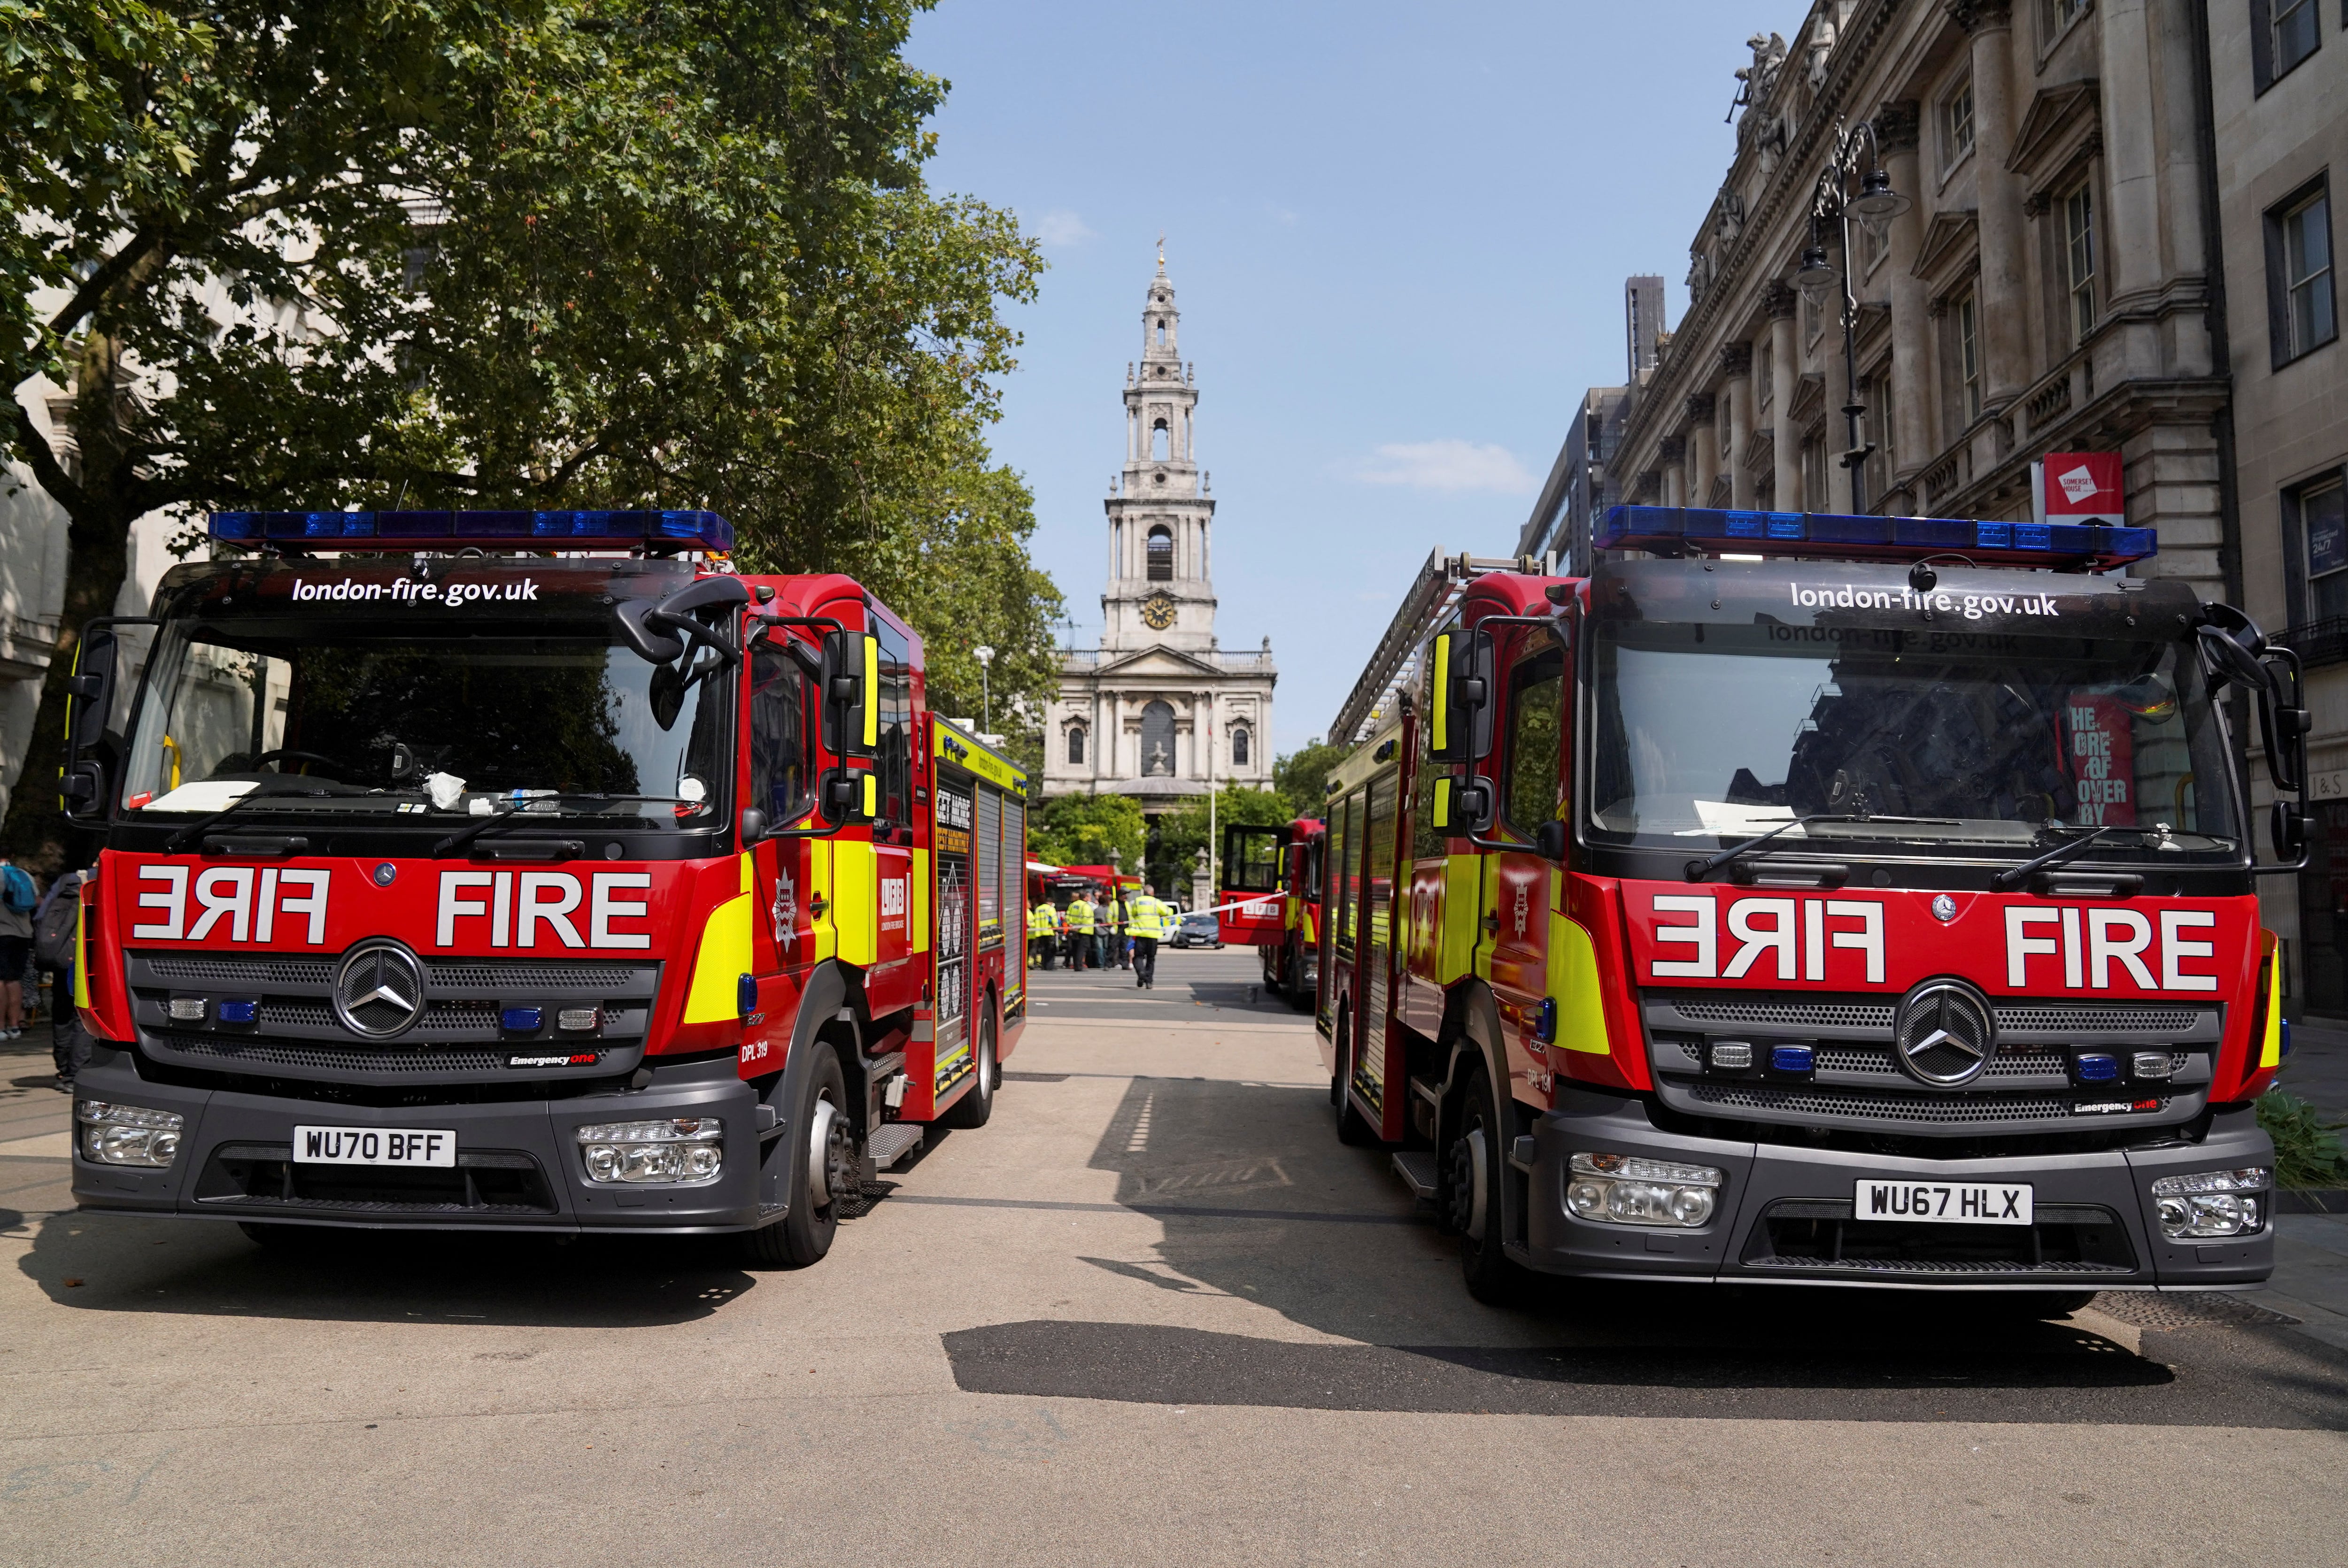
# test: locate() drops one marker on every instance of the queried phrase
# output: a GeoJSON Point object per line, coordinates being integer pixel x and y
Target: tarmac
{"type": "Point", "coordinates": [2311, 1276]}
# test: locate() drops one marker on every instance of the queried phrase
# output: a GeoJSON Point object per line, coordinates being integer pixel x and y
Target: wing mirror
{"type": "Point", "coordinates": [851, 683]}
{"type": "Point", "coordinates": [1459, 697]}
{"type": "Point", "coordinates": [659, 630]}
{"type": "Point", "coordinates": [850, 796]}
{"type": "Point", "coordinates": [89, 702]}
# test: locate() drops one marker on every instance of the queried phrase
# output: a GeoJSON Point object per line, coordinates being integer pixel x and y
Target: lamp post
{"type": "Point", "coordinates": [1875, 206]}
{"type": "Point", "coordinates": [986, 657]}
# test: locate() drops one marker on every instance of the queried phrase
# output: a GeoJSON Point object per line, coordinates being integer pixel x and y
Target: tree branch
{"type": "Point", "coordinates": [145, 241]}
{"type": "Point", "coordinates": [50, 474]}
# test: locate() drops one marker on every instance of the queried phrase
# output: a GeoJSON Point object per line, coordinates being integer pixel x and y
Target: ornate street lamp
{"type": "Point", "coordinates": [1875, 206]}
{"type": "Point", "coordinates": [986, 657]}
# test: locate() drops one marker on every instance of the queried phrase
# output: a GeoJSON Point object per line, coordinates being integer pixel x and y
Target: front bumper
{"type": "Point", "coordinates": [1784, 1213]}
{"type": "Point", "coordinates": [517, 1167]}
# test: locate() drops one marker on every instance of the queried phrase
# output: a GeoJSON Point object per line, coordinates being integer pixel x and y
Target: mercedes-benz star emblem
{"type": "Point", "coordinates": [1944, 907]}
{"type": "Point", "coordinates": [379, 990]}
{"type": "Point", "coordinates": [1945, 1034]}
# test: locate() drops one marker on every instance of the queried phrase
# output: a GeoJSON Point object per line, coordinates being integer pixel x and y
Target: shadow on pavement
{"type": "Point", "coordinates": [1325, 1236]}
{"type": "Point", "coordinates": [117, 1262]}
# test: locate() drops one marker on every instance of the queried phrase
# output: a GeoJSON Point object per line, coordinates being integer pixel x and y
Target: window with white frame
{"type": "Point", "coordinates": [2300, 307]}
{"type": "Point", "coordinates": [2079, 259]}
{"type": "Point", "coordinates": [1967, 315]}
{"type": "Point", "coordinates": [1957, 124]}
{"type": "Point", "coordinates": [2316, 516]}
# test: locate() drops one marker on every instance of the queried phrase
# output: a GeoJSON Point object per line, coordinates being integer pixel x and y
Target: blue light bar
{"type": "Point", "coordinates": [1669, 530]}
{"type": "Point", "coordinates": [446, 530]}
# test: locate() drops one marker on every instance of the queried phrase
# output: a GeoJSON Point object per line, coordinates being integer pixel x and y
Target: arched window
{"type": "Point", "coordinates": [1076, 742]}
{"type": "Point", "coordinates": [1161, 554]}
{"type": "Point", "coordinates": [1239, 746]}
{"type": "Point", "coordinates": [1158, 441]}
{"type": "Point", "coordinates": [1158, 740]}
{"type": "Point", "coordinates": [1161, 331]}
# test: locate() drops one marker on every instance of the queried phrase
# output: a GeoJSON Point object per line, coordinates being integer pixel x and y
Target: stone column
{"type": "Point", "coordinates": [1737, 363]}
{"type": "Point", "coordinates": [1673, 454]}
{"type": "Point", "coordinates": [1703, 448]}
{"type": "Point", "coordinates": [2128, 246]}
{"type": "Point", "coordinates": [1785, 381]}
{"type": "Point", "coordinates": [2004, 302]}
{"type": "Point", "coordinates": [1896, 126]}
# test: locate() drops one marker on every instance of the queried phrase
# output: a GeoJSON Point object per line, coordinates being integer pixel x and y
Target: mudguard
{"type": "Point", "coordinates": [820, 1004]}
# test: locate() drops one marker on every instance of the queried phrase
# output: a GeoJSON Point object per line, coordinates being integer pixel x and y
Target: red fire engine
{"type": "Point", "coordinates": [1816, 898]}
{"type": "Point", "coordinates": [1270, 900]}
{"type": "Point", "coordinates": [527, 871]}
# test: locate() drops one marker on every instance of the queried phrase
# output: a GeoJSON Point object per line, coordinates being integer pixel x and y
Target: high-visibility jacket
{"type": "Point", "coordinates": [1151, 917]}
{"type": "Point", "coordinates": [1080, 917]}
{"type": "Point", "coordinates": [1039, 921]}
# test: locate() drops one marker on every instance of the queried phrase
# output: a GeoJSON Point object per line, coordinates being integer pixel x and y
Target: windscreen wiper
{"type": "Point", "coordinates": [260, 791]}
{"type": "Point", "coordinates": [2068, 850]}
{"type": "Point", "coordinates": [1698, 870]}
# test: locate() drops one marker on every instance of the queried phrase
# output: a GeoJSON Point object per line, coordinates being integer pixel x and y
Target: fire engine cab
{"type": "Point", "coordinates": [1802, 898]}
{"type": "Point", "coordinates": [1271, 900]}
{"type": "Point", "coordinates": [529, 871]}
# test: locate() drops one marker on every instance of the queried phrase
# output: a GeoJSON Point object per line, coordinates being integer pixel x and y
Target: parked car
{"type": "Point", "coordinates": [1200, 930]}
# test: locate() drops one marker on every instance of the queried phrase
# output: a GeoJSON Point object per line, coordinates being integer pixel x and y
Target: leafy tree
{"type": "Point", "coordinates": [1303, 776]}
{"type": "Point", "coordinates": [1087, 829]}
{"type": "Point", "coordinates": [1182, 832]}
{"type": "Point", "coordinates": [575, 252]}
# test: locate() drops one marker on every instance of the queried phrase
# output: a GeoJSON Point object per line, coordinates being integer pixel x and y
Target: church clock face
{"type": "Point", "coordinates": [1157, 612]}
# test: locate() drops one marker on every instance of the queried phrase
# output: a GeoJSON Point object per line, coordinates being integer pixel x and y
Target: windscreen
{"type": "Point", "coordinates": [380, 712]}
{"type": "Point", "coordinates": [1708, 735]}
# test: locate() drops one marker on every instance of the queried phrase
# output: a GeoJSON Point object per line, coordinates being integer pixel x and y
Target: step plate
{"type": "Point", "coordinates": [1417, 1168]}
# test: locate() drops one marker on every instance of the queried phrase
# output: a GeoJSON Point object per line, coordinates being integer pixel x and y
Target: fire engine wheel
{"type": "Point", "coordinates": [1472, 1207]}
{"type": "Point", "coordinates": [977, 1102]}
{"type": "Point", "coordinates": [1352, 1128]}
{"type": "Point", "coordinates": [824, 1167]}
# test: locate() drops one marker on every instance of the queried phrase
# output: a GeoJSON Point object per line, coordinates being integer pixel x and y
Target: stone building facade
{"type": "Point", "coordinates": [1158, 710]}
{"type": "Point", "coordinates": [2048, 287]}
{"type": "Point", "coordinates": [2279, 82]}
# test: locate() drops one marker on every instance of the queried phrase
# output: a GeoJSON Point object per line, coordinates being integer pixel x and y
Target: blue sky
{"type": "Point", "coordinates": [1399, 233]}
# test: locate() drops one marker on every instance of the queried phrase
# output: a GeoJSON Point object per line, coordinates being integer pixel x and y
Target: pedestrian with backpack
{"type": "Point", "coordinates": [19, 896]}
{"type": "Point", "coordinates": [56, 929]}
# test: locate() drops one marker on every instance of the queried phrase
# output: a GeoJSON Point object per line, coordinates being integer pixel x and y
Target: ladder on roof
{"type": "Point", "coordinates": [1395, 663]}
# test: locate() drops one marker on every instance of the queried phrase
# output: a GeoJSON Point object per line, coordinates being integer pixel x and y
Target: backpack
{"type": "Point", "coordinates": [19, 891]}
{"type": "Point", "coordinates": [53, 932]}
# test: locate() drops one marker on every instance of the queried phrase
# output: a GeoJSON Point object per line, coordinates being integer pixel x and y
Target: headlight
{"type": "Point", "coordinates": [2209, 1204]}
{"type": "Point", "coordinates": [680, 1150]}
{"type": "Point", "coordinates": [1632, 1190]}
{"type": "Point", "coordinates": [127, 1134]}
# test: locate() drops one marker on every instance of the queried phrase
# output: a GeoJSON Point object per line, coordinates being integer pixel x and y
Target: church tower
{"type": "Point", "coordinates": [1160, 518]}
{"type": "Point", "coordinates": [1158, 711]}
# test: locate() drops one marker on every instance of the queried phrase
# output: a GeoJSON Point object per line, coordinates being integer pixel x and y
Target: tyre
{"type": "Point", "coordinates": [1472, 1173]}
{"type": "Point", "coordinates": [977, 1102]}
{"type": "Point", "coordinates": [824, 1165]}
{"type": "Point", "coordinates": [1354, 1129]}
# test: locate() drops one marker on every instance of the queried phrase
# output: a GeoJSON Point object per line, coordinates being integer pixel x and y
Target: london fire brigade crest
{"type": "Point", "coordinates": [786, 913]}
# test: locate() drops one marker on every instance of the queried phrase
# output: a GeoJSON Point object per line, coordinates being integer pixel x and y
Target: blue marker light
{"type": "Point", "coordinates": [2095, 1068]}
{"type": "Point", "coordinates": [522, 1019]}
{"type": "Point", "coordinates": [1792, 1058]}
{"type": "Point", "coordinates": [1668, 529]}
{"type": "Point", "coordinates": [239, 1011]}
{"type": "Point", "coordinates": [704, 531]}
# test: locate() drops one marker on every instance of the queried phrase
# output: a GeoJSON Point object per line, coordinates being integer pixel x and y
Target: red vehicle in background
{"type": "Point", "coordinates": [1824, 900]}
{"type": "Point", "coordinates": [1271, 902]}
{"type": "Point", "coordinates": [452, 882]}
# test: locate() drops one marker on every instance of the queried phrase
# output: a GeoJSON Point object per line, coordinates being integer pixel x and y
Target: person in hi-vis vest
{"type": "Point", "coordinates": [1080, 931]}
{"type": "Point", "coordinates": [1151, 922]}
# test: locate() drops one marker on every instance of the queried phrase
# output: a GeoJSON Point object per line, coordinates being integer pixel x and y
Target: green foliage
{"type": "Point", "coordinates": [2307, 1149]}
{"type": "Point", "coordinates": [1182, 832]}
{"type": "Point", "coordinates": [568, 253]}
{"type": "Point", "coordinates": [1303, 776]}
{"type": "Point", "coordinates": [1086, 829]}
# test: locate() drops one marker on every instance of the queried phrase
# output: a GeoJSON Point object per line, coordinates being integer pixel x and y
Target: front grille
{"type": "Point", "coordinates": [2041, 1020]}
{"type": "Point", "coordinates": [439, 1017]}
{"type": "Point", "coordinates": [585, 978]}
{"type": "Point", "coordinates": [484, 1183]}
{"type": "Point", "coordinates": [1820, 1236]}
{"type": "Point", "coordinates": [1889, 1106]}
{"type": "Point", "coordinates": [1797, 1015]}
{"type": "Point", "coordinates": [256, 973]}
{"type": "Point", "coordinates": [255, 1054]}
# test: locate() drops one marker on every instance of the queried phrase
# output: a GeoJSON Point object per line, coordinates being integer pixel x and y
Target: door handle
{"type": "Point", "coordinates": [818, 905]}
{"type": "Point", "coordinates": [1491, 924]}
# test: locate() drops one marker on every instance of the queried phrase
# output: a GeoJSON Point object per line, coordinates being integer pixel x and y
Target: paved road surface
{"type": "Point", "coordinates": [1154, 1314]}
